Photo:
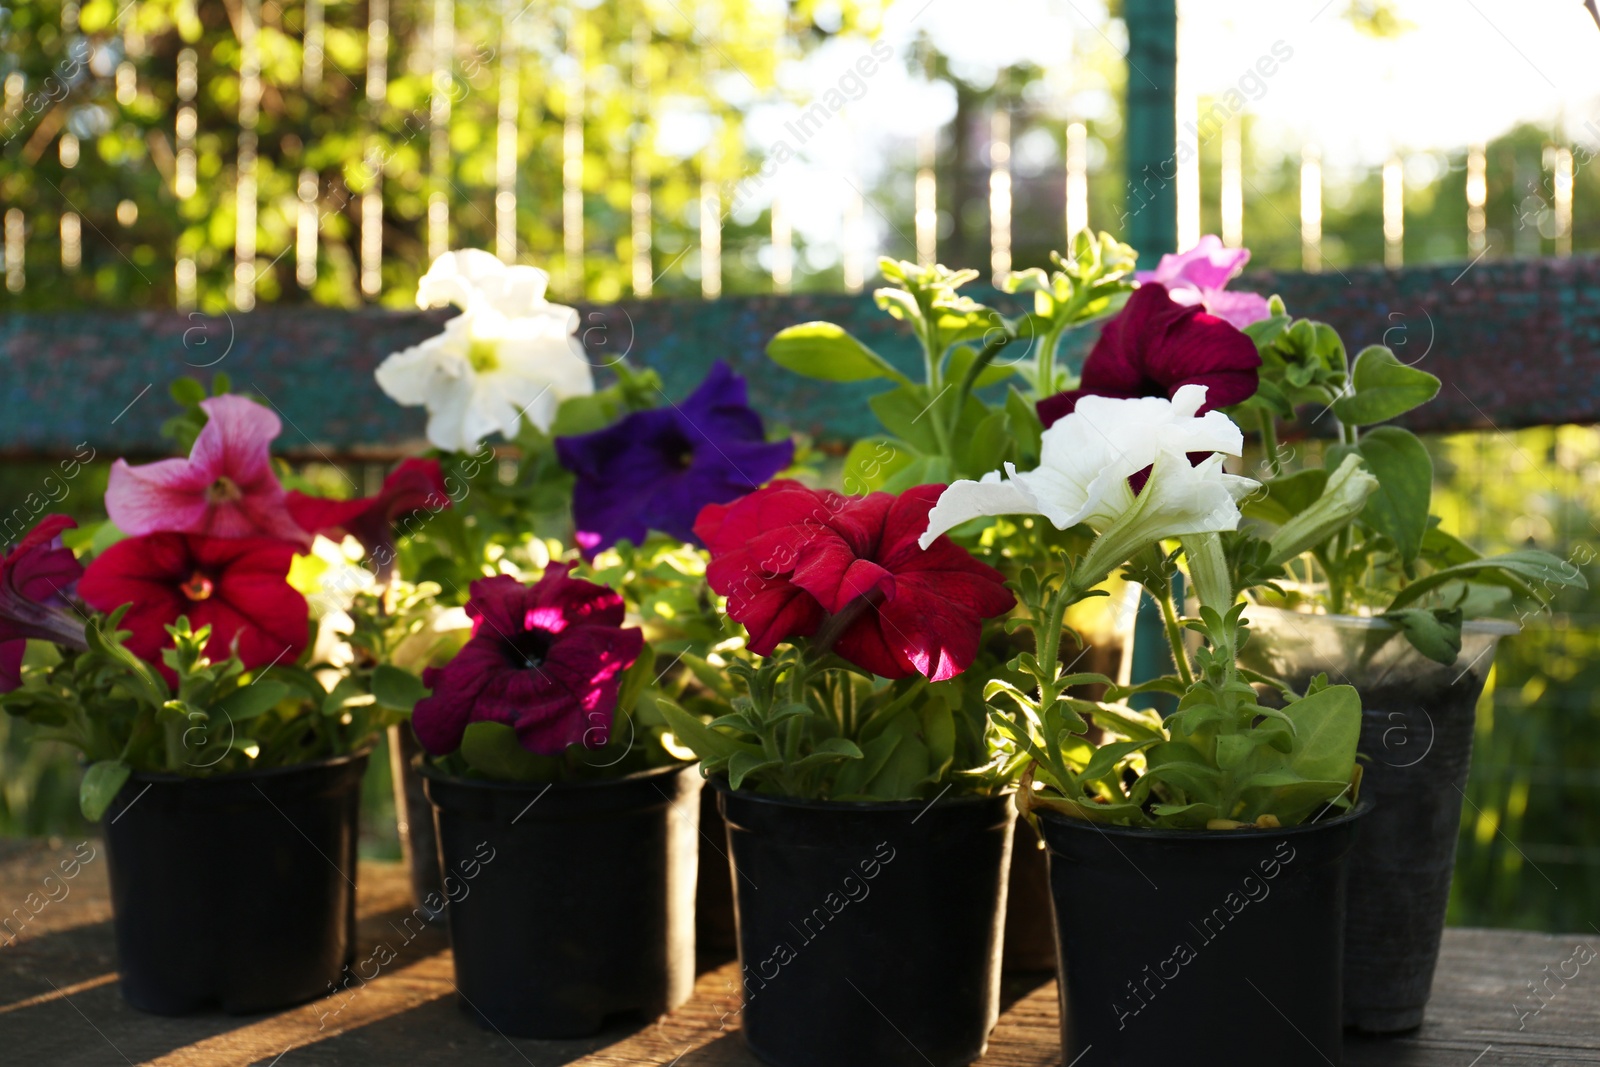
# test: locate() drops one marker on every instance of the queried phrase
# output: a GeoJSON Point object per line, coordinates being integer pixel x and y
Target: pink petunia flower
{"type": "Point", "coordinates": [546, 659]}
{"type": "Point", "coordinates": [1199, 276]}
{"type": "Point", "coordinates": [226, 488]}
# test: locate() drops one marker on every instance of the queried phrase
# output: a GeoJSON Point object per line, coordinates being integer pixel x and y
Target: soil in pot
{"type": "Point", "coordinates": [569, 903]}
{"type": "Point", "coordinates": [1417, 725]}
{"type": "Point", "coordinates": [869, 934]}
{"type": "Point", "coordinates": [235, 892]}
{"type": "Point", "coordinates": [1199, 946]}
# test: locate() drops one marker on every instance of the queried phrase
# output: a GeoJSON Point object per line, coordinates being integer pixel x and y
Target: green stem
{"type": "Point", "coordinates": [1180, 655]}
{"type": "Point", "coordinates": [1045, 376]}
{"type": "Point", "coordinates": [1269, 441]}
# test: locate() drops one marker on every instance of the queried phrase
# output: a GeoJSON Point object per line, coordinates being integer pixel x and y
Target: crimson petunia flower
{"type": "Point", "coordinates": [655, 470]}
{"type": "Point", "coordinates": [1155, 346]}
{"type": "Point", "coordinates": [237, 586]}
{"type": "Point", "coordinates": [226, 488]}
{"type": "Point", "coordinates": [36, 578]}
{"type": "Point", "coordinates": [546, 659]}
{"type": "Point", "coordinates": [413, 485]}
{"type": "Point", "coordinates": [798, 562]}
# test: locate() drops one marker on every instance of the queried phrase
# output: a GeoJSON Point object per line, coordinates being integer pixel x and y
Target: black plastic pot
{"type": "Point", "coordinates": [1417, 724]}
{"type": "Point", "coordinates": [571, 902]}
{"type": "Point", "coordinates": [869, 934]}
{"type": "Point", "coordinates": [715, 935]}
{"type": "Point", "coordinates": [1199, 946]}
{"type": "Point", "coordinates": [237, 891]}
{"type": "Point", "coordinates": [419, 844]}
{"type": "Point", "coordinates": [1030, 933]}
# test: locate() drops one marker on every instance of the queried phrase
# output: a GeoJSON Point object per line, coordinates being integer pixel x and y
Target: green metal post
{"type": "Point", "coordinates": [1150, 224]}
{"type": "Point", "coordinates": [1150, 211]}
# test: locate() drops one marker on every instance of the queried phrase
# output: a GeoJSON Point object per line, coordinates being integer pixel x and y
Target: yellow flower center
{"type": "Point", "coordinates": [223, 491]}
{"type": "Point", "coordinates": [483, 355]}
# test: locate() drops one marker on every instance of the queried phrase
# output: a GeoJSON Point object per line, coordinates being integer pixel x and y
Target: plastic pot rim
{"type": "Point", "coordinates": [255, 772]}
{"type": "Point", "coordinates": [1151, 833]}
{"type": "Point", "coordinates": [420, 765]}
{"type": "Point", "coordinates": [1494, 627]}
{"type": "Point", "coordinates": [720, 783]}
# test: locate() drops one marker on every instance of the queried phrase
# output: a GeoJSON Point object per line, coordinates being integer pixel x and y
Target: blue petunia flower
{"type": "Point", "coordinates": [656, 469]}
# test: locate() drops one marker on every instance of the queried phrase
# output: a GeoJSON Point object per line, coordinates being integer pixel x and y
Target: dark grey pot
{"type": "Point", "coordinates": [1418, 718]}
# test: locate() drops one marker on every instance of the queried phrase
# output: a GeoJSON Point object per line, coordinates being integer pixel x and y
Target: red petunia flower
{"type": "Point", "coordinates": [546, 659]}
{"type": "Point", "coordinates": [1155, 346]}
{"type": "Point", "coordinates": [36, 578]}
{"type": "Point", "coordinates": [237, 586]}
{"type": "Point", "coordinates": [798, 562]}
{"type": "Point", "coordinates": [226, 488]}
{"type": "Point", "coordinates": [413, 485]}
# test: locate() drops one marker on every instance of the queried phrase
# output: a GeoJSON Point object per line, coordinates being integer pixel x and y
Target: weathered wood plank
{"type": "Point", "coordinates": [1517, 344]}
{"type": "Point", "coordinates": [59, 1003]}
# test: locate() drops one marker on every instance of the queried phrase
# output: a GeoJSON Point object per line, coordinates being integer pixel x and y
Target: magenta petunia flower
{"type": "Point", "coordinates": [1154, 347]}
{"type": "Point", "coordinates": [1199, 276]}
{"type": "Point", "coordinates": [546, 659]}
{"type": "Point", "coordinates": [655, 470]}
{"type": "Point", "coordinates": [226, 488]}
{"type": "Point", "coordinates": [412, 486]}
{"type": "Point", "coordinates": [36, 578]}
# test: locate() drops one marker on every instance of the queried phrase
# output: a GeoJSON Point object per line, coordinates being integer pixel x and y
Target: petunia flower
{"type": "Point", "coordinates": [1199, 275]}
{"type": "Point", "coordinates": [237, 586]}
{"type": "Point", "coordinates": [799, 562]}
{"type": "Point", "coordinates": [412, 486]}
{"type": "Point", "coordinates": [546, 659]}
{"type": "Point", "coordinates": [508, 354]}
{"type": "Point", "coordinates": [1087, 475]}
{"type": "Point", "coordinates": [1154, 347]}
{"type": "Point", "coordinates": [655, 470]}
{"type": "Point", "coordinates": [36, 578]}
{"type": "Point", "coordinates": [226, 488]}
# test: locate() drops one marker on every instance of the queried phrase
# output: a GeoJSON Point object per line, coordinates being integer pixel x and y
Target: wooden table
{"type": "Point", "coordinates": [59, 1004]}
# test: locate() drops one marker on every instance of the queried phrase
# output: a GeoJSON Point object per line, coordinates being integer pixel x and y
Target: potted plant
{"type": "Point", "coordinates": [1224, 828]}
{"type": "Point", "coordinates": [225, 746]}
{"type": "Point", "coordinates": [1359, 582]}
{"type": "Point", "coordinates": [854, 773]}
{"type": "Point", "coordinates": [970, 409]}
{"type": "Point", "coordinates": [574, 558]}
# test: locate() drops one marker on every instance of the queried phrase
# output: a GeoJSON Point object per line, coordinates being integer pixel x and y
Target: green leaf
{"type": "Point", "coordinates": [707, 743]}
{"type": "Point", "coordinates": [1025, 426]}
{"type": "Point", "coordinates": [251, 700]}
{"type": "Point", "coordinates": [492, 749]}
{"type": "Point", "coordinates": [1398, 509]}
{"type": "Point", "coordinates": [744, 764]}
{"type": "Point", "coordinates": [831, 750]}
{"type": "Point", "coordinates": [1436, 634]}
{"type": "Point", "coordinates": [1286, 496]}
{"type": "Point", "coordinates": [101, 783]}
{"type": "Point", "coordinates": [904, 413]}
{"type": "Point", "coordinates": [871, 462]}
{"type": "Point", "coordinates": [986, 446]}
{"type": "Point", "coordinates": [397, 689]}
{"type": "Point", "coordinates": [824, 350]}
{"type": "Point", "coordinates": [1327, 726]}
{"type": "Point", "coordinates": [1526, 570]}
{"type": "Point", "coordinates": [1106, 758]}
{"type": "Point", "coordinates": [1382, 388]}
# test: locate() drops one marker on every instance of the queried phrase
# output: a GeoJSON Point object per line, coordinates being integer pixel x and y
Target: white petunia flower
{"type": "Point", "coordinates": [1083, 474]}
{"type": "Point", "coordinates": [508, 354]}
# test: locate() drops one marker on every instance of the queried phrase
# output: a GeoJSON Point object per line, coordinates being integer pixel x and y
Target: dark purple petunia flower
{"type": "Point", "coordinates": [36, 577]}
{"type": "Point", "coordinates": [656, 469]}
{"type": "Point", "coordinates": [546, 659]}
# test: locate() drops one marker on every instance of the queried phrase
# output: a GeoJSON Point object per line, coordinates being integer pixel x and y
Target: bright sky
{"type": "Point", "coordinates": [1468, 71]}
